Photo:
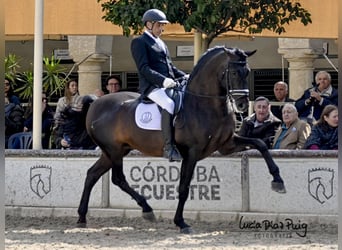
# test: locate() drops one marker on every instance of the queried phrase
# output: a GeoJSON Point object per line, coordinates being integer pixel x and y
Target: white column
{"type": "Point", "coordinates": [301, 55]}
{"type": "Point", "coordinates": [38, 74]}
{"type": "Point", "coordinates": [89, 53]}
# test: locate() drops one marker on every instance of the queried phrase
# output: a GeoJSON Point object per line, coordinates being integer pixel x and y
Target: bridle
{"type": "Point", "coordinates": [231, 93]}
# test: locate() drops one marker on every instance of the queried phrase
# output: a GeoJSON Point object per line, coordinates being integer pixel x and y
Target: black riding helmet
{"type": "Point", "coordinates": [154, 15]}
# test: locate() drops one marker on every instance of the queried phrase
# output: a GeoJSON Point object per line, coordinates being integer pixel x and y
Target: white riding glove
{"type": "Point", "coordinates": [169, 83]}
{"type": "Point", "coordinates": [186, 77]}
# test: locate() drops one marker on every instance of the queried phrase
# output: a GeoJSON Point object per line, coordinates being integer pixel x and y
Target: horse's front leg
{"type": "Point", "coordinates": [187, 170]}
{"type": "Point", "coordinates": [277, 183]}
{"type": "Point", "coordinates": [119, 179]}
{"type": "Point", "coordinates": [101, 166]}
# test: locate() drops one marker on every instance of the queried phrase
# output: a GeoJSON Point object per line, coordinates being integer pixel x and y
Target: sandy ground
{"type": "Point", "coordinates": [135, 233]}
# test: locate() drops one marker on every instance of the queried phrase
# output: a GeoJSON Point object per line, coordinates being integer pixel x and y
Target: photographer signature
{"type": "Point", "coordinates": [287, 225]}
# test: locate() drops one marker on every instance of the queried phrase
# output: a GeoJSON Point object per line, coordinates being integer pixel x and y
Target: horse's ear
{"type": "Point", "coordinates": [250, 53]}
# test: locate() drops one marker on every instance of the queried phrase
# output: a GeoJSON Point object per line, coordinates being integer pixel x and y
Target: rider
{"type": "Point", "coordinates": [157, 73]}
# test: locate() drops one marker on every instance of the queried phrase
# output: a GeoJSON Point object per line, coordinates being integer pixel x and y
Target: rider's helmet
{"type": "Point", "coordinates": [154, 15]}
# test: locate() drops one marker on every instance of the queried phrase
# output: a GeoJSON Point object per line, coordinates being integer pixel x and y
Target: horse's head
{"type": "Point", "coordinates": [222, 72]}
{"type": "Point", "coordinates": [235, 78]}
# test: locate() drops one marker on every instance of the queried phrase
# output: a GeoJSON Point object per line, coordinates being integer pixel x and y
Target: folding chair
{"type": "Point", "coordinates": [22, 140]}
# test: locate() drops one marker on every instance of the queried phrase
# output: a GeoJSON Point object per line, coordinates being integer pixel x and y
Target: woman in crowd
{"type": "Point", "coordinates": [324, 134]}
{"type": "Point", "coordinates": [70, 100]}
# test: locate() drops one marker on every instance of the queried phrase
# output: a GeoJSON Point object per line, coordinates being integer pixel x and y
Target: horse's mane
{"type": "Point", "coordinates": [205, 57]}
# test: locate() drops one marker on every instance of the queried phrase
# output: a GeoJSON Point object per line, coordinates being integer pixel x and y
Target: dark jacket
{"type": "Point", "coordinates": [265, 132]}
{"type": "Point", "coordinates": [154, 65]}
{"type": "Point", "coordinates": [73, 128]}
{"type": "Point", "coordinates": [47, 121]}
{"type": "Point", "coordinates": [324, 136]}
{"type": "Point", "coordinates": [14, 120]}
{"type": "Point", "coordinates": [304, 110]}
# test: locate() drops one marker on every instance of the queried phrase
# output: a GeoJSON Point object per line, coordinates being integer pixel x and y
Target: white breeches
{"type": "Point", "coordinates": [160, 97]}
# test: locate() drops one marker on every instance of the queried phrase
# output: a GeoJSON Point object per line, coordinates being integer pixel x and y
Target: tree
{"type": "Point", "coordinates": [53, 77]}
{"type": "Point", "coordinates": [210, 17]}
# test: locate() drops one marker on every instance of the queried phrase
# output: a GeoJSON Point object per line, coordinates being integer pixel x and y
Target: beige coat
{"type": "Point", "coordinates": [295, 136]}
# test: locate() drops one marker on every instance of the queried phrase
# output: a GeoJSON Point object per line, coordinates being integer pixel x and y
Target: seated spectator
{"type": "Point", "coordinates": [70, 99]}
{"type": "Point", "coordinates": [47, 121]}
{"type": "Point", "coordinates": [9, 92]}
{"type": "Point", "coordinates": [113, 84]}
{"type": "Point", "coordinates": [98, 93]}
{"type": "Point", "coordinates": [293, 132]}
{"type": "Point", "coordinates": [72, 132]}
{"type": "Point", "coordinates": [313, 101]}
{"type": "Point", "coordinates": [281, 91]}
{"type": "Point", "coordinates": [324, 134]}
{"type": "Point", "coordinates": [262, 123]}
{"type": "Point", "coordinates": [14, 113]}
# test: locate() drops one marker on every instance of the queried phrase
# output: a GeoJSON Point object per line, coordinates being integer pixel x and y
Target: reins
{"type": "Point", "coordinates": [228, 97]}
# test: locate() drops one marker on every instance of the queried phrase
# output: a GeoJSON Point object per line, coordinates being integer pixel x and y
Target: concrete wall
{"type": "Point", "coordinates": [240, 182]}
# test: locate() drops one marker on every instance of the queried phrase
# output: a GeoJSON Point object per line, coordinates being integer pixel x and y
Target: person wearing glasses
{"type": "Point", "coordinates": [113, 84]}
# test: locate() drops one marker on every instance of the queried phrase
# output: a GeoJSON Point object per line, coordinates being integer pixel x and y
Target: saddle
{"type": "Point", "coordinates": [147, 113]}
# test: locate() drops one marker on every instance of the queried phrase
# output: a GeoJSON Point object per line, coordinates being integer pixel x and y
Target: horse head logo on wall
{"type": "Point", "coordinates": [40, 180]}
{"type": "Point", "coordinates": [321, 183]}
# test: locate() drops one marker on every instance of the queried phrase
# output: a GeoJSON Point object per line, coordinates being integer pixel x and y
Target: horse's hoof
{"type": "Point", "coordinates": [81, 224]}
{"type": "Point", "coordinates": [186, 230]}
{"type": "Point", "coordinates": [278, 187]}
{"type": "Point", "coordinates": [149, 216]}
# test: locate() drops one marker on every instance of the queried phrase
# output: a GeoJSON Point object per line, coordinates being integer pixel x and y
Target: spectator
{"type": "Point", "coordinates": [280, 91]}
{"type": "Point", "coordinates": [14, 113]}
{"type": "Point", "coordinates": [71, 99]}
{"type": "Point", "coordinates": [98, 93]}
{"type": "Point", "coordinates": [313, 101]}
{"type": "Point", "coordinates": [9, 92]}
{"type": "Point", "coordinates": [293, 132]}
{"type": "Point", "coordinates": [324, 134]}
{"type": "Point", "coordinates": [113, 84]}
{"type": "Point", "coordinates": [72, 133]}
{"type": "Point", "coordinates": [14, 119]}
{"type": "Point", "coordinates": [47, 121]}
{"type": "Point", "coordinates": [262, 124]}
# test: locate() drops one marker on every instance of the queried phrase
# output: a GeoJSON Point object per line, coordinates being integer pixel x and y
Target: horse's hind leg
{"type": "Point", "coordinates": [119, 179]}
{"type": "Point", "coordinates": [277, 183]}
{"type": "Point", "coordinates": [94, 173]}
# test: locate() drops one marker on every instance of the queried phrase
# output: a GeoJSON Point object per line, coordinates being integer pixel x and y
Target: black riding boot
{"type": "Point", "coordinates": [170, 150]}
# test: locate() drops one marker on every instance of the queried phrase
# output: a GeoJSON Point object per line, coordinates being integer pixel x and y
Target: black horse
{"type": "Point", "coordinates": [206, 123]}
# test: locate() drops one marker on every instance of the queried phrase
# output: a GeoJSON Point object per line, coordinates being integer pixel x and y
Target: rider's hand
{"type": "Point", "coordinates": [169, 83]}
{"type": "Point", "coordinates": [186, 77]}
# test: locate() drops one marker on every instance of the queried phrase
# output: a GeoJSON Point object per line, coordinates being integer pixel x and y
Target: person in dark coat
{"type": "Point", "coordinates": [14, 113]}
{"type": "Point", "coordinates": [72, 132]}
{"type": "Point", "coordinates": [311, 104]}
{"type": "Point", "coordinates": [281, 91]}
{"type": "Point", "coordinates": [262, 123]}
{"type": "Point", "coordinates": [324, 134]}
{"type": "Point", "coordinates": [47, 121]}
{"type": "Point", "coordinates": [157, 73]}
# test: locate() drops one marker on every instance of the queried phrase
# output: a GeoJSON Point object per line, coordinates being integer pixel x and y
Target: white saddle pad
{"type": "Point", "coordinates": [147, 116]}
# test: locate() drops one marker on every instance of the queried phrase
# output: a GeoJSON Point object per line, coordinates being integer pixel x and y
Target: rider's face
{"type": "Point", "coordinates": [156, 28]}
